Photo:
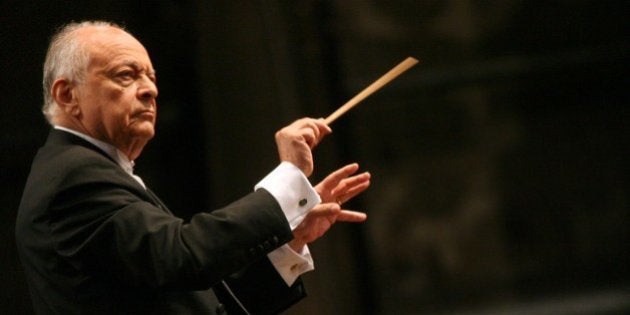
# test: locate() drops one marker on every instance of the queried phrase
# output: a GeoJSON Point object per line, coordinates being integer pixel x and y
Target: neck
{"type": "Point", "coordinates": [131, 147]}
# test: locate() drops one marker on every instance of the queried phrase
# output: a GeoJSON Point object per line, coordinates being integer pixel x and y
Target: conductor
{"type": "Point", "coordinates": [94, 239]}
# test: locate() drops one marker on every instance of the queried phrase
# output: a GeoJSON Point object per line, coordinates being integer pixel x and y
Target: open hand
{"type": "Point", "coordinates": [335, 189]}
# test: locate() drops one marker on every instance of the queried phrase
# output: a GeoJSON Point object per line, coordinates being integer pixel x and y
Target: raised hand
{"type": "Point", "coordinates": [335, 189]}
{"type": "Point", "coordinates": [296, 141]}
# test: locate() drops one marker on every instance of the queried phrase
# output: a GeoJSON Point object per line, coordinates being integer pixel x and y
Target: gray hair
{"type": "Point", "coordinates": [67, 57]}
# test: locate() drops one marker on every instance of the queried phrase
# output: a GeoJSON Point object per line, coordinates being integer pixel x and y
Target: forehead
{"type": "Point", "coordinates": [108, 46]}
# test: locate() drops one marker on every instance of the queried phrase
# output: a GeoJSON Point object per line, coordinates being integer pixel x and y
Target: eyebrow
{"type": "Point", "coordinates": [138, 67]}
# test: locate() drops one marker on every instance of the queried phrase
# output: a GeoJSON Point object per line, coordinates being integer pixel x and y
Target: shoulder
{"type": "Point", "coordinates": [63, 148]}
{"type": "Point", "coordinates": [64, 158]}
{"type": "Point", "coordinates": [67, 165]}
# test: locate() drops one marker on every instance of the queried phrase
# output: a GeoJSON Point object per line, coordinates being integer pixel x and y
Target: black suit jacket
{"type": "Point", "coordinates": [92, 240]}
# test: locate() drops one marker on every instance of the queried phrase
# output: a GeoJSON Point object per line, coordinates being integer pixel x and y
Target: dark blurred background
{"type": "Point", "coordinates": [499, 164]}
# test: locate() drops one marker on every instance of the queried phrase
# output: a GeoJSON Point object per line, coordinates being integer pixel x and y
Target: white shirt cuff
{"type": "Point", "coordinates": [290, 264]}
{"type": "Point", "coordinates": [295, 194]}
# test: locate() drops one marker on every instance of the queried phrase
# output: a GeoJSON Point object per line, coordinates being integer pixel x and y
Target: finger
{"type": "Point", "coordinates": [309, 137]}
{"type": "Point", "coordinates": [351, 187]}
{"type": "Point", "coordinates": [319, 128]}
{"type": "Point", "coordinates": [310, 125]}
{"type": "Point", "coordinates": [325, 209]}
{"type": "Point", "coordinates": [345, 171]}
{"type": "Point", "coordinates": [351, 216]}
{"type": "Point", "coordinates": [323, 127]}
{"type": "Point", "coordinates": [337, 176]}
{"type": "Point", "coordinates": [349, 183]}
{"type": "Point", "coordinates": [351, 193]}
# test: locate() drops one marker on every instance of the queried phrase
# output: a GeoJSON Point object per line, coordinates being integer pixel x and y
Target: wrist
{"type": "Point", "coordinates": [296, 245]}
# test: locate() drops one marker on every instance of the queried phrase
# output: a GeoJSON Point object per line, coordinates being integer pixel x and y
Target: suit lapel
{"type": "Point", "coordinates": [59, 137]}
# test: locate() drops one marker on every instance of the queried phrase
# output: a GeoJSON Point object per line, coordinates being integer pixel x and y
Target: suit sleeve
{"type": "Point", "coordinates": [258, 289]}
{"type": "Point", "coordinates": [100, 221]}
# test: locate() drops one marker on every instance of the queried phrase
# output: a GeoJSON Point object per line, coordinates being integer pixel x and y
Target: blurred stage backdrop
{"type": "Point", "coordinates": [500, 163]}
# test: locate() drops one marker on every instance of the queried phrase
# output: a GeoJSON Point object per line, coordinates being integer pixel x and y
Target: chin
{"type": "Point", "coordinates": [144, 133]}
{"type": "Point", "coordinates": [147, 135]}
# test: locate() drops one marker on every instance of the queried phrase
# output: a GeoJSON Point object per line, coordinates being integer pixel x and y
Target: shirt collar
{"type": "Point", "coordinates": [120, 158]}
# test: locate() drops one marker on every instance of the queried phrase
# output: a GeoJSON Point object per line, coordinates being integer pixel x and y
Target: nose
{"type": "Point", "coordinates": [147, 89]}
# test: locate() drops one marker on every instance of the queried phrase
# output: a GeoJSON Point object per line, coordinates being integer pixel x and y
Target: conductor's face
{"type": "Point", "coordinates": [117, 96]}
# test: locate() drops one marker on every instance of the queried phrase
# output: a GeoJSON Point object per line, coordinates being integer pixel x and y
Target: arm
{"type": "Point", "coordinates": [258, 289]}
{"type": "Point", "coordinates": [100, 222]}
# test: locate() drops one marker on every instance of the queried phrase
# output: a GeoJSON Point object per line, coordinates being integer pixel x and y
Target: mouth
{"type": "Point", "coordinates": [147, 114]}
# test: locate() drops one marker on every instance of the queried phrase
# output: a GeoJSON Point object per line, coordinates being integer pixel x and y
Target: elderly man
{"type": "Point", "coordinates": [92, 236]}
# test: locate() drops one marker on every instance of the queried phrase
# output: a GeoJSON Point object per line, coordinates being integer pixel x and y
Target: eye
{"type": "Point", "coordinates": [126, 74]}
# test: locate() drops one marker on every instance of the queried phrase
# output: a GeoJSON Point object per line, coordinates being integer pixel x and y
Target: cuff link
{"type": "Point", "coordinates": [302, 202]}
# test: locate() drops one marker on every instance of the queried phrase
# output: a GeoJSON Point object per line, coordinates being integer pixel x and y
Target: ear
{"type": "Point", "coordinates": [64, 94]}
